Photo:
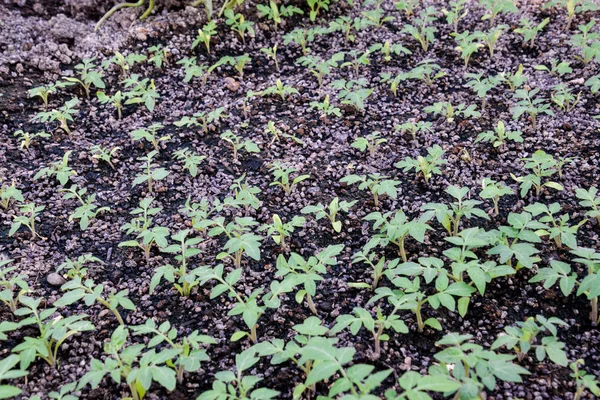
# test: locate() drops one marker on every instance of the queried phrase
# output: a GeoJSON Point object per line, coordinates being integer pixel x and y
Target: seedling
{"type": "Point", "coordinates": [116, 100]}
{"type": "Point", "coordinates": [275, 13]}
{"type": "Point", "coordinates": [320, 68]}
{"type": "Point", "coordinates": [315, 8]}
{"type": "Point", "coordinates": [514, 80]}
{"type": "Point", "coordinates": [572, 7]}
{"type": "Point", "coordinates": [7, 372]}
{"type": "Point", "coordinates": [239, 25]}
{"type": "Point", "coordinates": [282, 178]}
{"type": "Point", "coordinates": [415, 385]}
{"type": "Point", "coordinates": [141, 92]}
{"type": "Point", "coordinates": [140, 224]}
{"type": "Point", "coordinates": [375, 17]}
{"type": "Point", "coordinates": [190, 351]}
{"type": "Point", "coordinates": [27, 138]}
{"type": "Point", "coordinates": [496, 7]}
{"type": "Point", "coordinates": [450, 217]}
{"type": "Point", "coordinates": [426, 166]}
{"type": "Point", "coordinates": [491, 189]}
{"type": "Point", "coordinates": [12, 287]}
{"type": "Point", "coordinates": [408, 6]}
{"type": "Point", "coordinates": [235, 385]}
{"type": "Point", "coordinates": [475, 369]}
{"type": "Point", "coordinates": [555, 68]}
{"type": "Point", "coordinates": [370, 142]}
{"type": "Point", "coordinates": [387, 49]}
{"type": "Point", "coordinates": [279, 231]}
{"type": "Point", "coordinates": [414, 127]}
{"type": "Point", "coordinates": [10, 194]}
{"type": "Point", "coordinates": [527, 102]}
{"type": "Point", "coordinates": [77, 267]}
{"type": "Point", "coordinates": [104, 153]}
{"type": "Point", "coordinates": [240, 239]}
{"type": "Point", "coordinates": [271, 52]}
{"type": "Point", "coordinates": [326, 108]}
{"type": "Point", "coordinates": [131, 364]}
{"type": "Point", "coordinates": [589, 199]}
{"type": "Point", "coordinates": [150, 172]}
{"type": "Point", "coordinates": [193, 70]}
{"type": "Point", "coordinates": [377, 266]}
{"type": "Point", "coordinates": [376, 326]}
{"type": "Point", "coordinates": [457, 11]}
{"type": "Point", "coordinates": [468, 44]}
{"type": "Point", "coordinates": [44, 91]}
{"type": "Point", "coordinates": [587, 42]}
{"type": "Point", "coordinates": [353, 92]}
{"type": "Point", "coordinates": [117, 7]}
{"type": "Point", "coordinates": [499, 136]}
{"type": "Point", "coordinates": [237, 143]}
{"type": "Point", "coordinates": [481, 86]}
{"type": "Point", "coordinates": [87, 76]}
{"type": "Point", "coordinates": [63, 115]}
{"type": "Point", "coordinates": [348, 26]}
{"type": "Point", "coordinates": [583, 380]}
{"type": "Point", "coordinates": [357, 59]}
{"type": "Point", "coordinates": [205, 34]}
{"type": "Point", "coordinates": [302, 37]}
{"type": "Point", "coordinates": [191, 160]}
{"type": "Point", "coordinates": [395, 228]}
{"type": "Point", "coordinates": [524, 337]}
{"type": "Point", "coordinates": [159, 55]}
{"type": "Point", "coordinates": [446, 109]}
{"type": "Point", "coordinates": [491, 37]}
{"type": "Point", "coordinates": [426, 71]}
{"type": "Point", "coordinates": [423, 32]}
{"type": "Point", "coordinates": [278, 134]}
{"type": "Point", "coordinates": [29, 212]}
{"type": "Point", "coordinates": [59, 169]}
{"type": "Point", "coordinates": [529, 30]}
{"type": "Point", "coordinates": [280, 89]}
{"type": "Point", "coordinates": [203, 119]}
{"type": "Point", "coordinates": [53, 332]}
{"type": "Point", "coordinates": [149, 134]}
{"type": "Point", "coordinates": [76, 290]}
{"type": "Point", "coordinates": [564, 98]}
{"type": "Point", "coordinates": [331, 212]}
{"type": "Point", "coordinates": [87, 210]}
{"type": "Point", "coordinates": [183, 280]}
{"type": "Point", "coordinates": [377, 184]}
{"type": "Point", "coordinates": [125, 63]}
{"type": "Point", "coordinates": [296, 271]}
{"type": "Point", "coordinates": [542, 166]}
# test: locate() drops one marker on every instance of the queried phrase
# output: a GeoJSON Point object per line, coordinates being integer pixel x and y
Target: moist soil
{"type": "Point", "coordinates": [39, 42]}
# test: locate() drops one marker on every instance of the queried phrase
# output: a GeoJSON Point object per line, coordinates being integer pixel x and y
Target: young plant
{"type": "Point", "coordinates": [357, 59]}
{"type": "Point", "coordinates": [370, 142]}
{"type": "Point", "coordinates": [149, 134]}
{"type": "Point", "coordinates": [583, 380]}
{"type": "Point", "coordinates": [239, 25]}
{"type": "Point", "coordinates": [499, 136]}
{"type": "Point", "coordinates": [564, 98]}
{"type": "Point", "coordinates": [281, 177]}
{"type": "Point", "coordinates": [529, 30]}
{"type": "Point", "coordinates": [59, 169]}
{"type": "Point", "coordinates": [116, 100]}
{"type": "Point", "coordinates": [542, 166]}
{"type": "Point", "coordinates": [191, 160]}
{"type": "Point", "coordinates": [524, 337]}
{"type": "Point", "coordinates": [240, 239]}
{"type": "Point", "coordinates": [205, 34]}
{"type": "Point", "coordinates": [238, 63]}
{"type": "Point", "coordinates": [141, 92]}
{"type": "Point", "coordinates": [491, 37]}
{"type": "Point", "coordinates": [326, 108]}
{"type": "Point", "coordinates": [408, 6]}
{"type": "Point", "coordinates": [446, 109]}
{"type": "Point", "coordinates": [29, 212]}
{"type": "Point", "coordinates": [104, 153]}
{"type": "Point", "coordinates": [350, 27]}
{"type": "Point", "coordinates": [130, 363]}
{"type": "Point", "coordinates": [7, 372]}
{"type": "Point", "coordinates": [375, 17]}
{"type": "Point", "coordinates": [493, 190]}
{"type": "Point", "coordinates": [387, 49]}
{"type": "Point", "coordinates": [203, 119]}
{"type": "Point", "coordinates": [276, 12]}
{"type": "Point", "coordinates": [450, 217]}
{"type": "Point", "coordinates": [159, 55]}
{"type": "Point", "coordinates": [572, 7]}
{"type": "Point", "coordinates": [556, 226]}
{"type": "Point", "coordinates": [183, 279]}
{"type": "Point", "coordinates": [296, 271]}
{"type": "Point", "coordinates": [26, 138]}
{"type": "Point", "coordinates": [423, 32]}
{"type": "Point", "coordinates": [457, 11]}
{"type": "Point", "coordinates": [124, 63]}
{"type": "Point", "coordinates": [193, 70]}
{"type": "Point", "coordinates": [468, 44]}
{"type": "Point", "coordinates": [150, 172]}
{"type": "Point", "coordinates": [87, 76]}
{"type": "Point", "coordinates": [279, 231]}
{"type": "Point", "coordinates": [589, 199]}
{"type": "Point", "coordinates": [44, 91]}
{"type": "Point", "coordinates": [63, 115]}
{"type": "Point", "coordinates": [237, 143]}
{"type": "Point", "coordinates": [587, 42]}
{"type": "Point", "coordinates": [331, 212]}
{"type": "Point", "coordinates": [527, 102]}
{"type": "Point", "coordinates": [495, 7]}
{"type": "Point", "coordinates": [10, 194]}
{"type": "Point", "coordinates": [140, 224]}
{"type": "Point", "coordinates": [12, 287]}
{"type": "Point", "coordinates": [353, 92]}
{"type": "Point", "coordinates": [271, 52]}
{"type": "Point", "coordinates": [320, 68]}
{"type": "Point", "coordinates": [555, 68]}
{"type": "Point", "coordinates": [236, 386]}
{"type": "Point", "coordinates": [395, 228]}
{"type": "Point", "coordinates": [413, 127]}
{"type": "Point", "coordinates": [76, 290]}
{"type": "Point", "coordinates": [377, 184]}
{"type": "Point", "coordinates": [302, 37]}
{"type": "Point", "coordinates": [315, 8]}
{"type": "Point", "coordinates": [87, 209]}
{"type": "Point", "coordinates": [77, 267]}
{"type": "Point", "coordinates": [280, 89]}
{"type": "Point", "coordinates": [426, 166]}
{"type": "Point", "coordinates": [53, 332]}
{"type": "Point", "coordinates": [514, 80]}
{"type": "Point", "coordinates": [481, 86]}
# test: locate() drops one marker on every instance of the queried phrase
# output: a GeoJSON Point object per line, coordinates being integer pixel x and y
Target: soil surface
{"type": "Point", "coordinates": [42, 41]}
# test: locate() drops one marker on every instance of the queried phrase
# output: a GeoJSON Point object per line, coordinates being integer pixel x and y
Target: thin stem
{"type": "Point", "coordinates": [311, 305]}
{"type": "Point", "coordinates": [115, 9]}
